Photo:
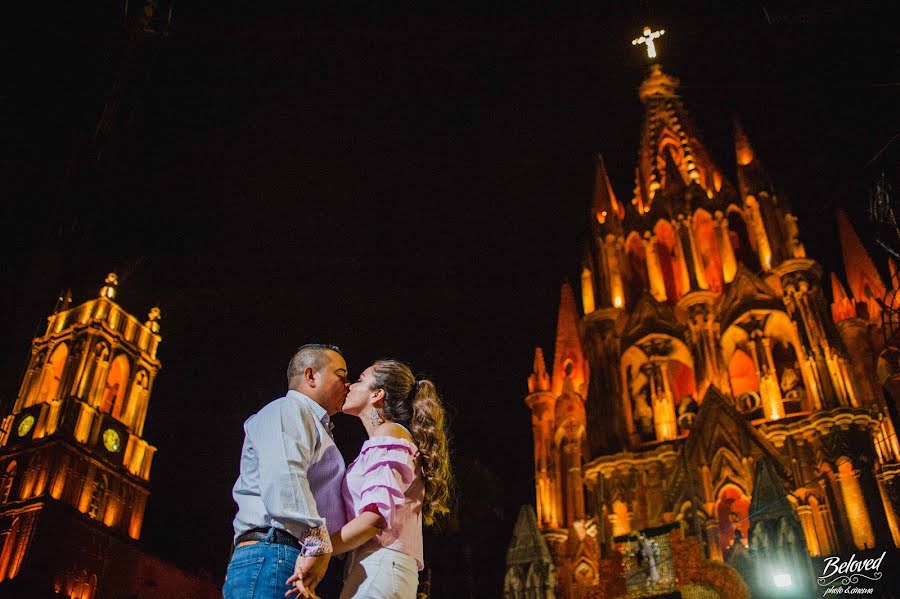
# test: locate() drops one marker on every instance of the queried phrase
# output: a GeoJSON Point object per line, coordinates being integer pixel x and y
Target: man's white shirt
{"type": "Point", "coordinates": [291, 473]}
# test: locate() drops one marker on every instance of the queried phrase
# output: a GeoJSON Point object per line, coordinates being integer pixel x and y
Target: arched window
{"type": "Point", "coordinates": [732, 512]}
{"type": "Point", "coordinates": [708, 247]}
{"type": "Point", "coordinates": [98, 497]}
{"type": "Point", "coordinates": [6, 482]}
{"type": "Point", "coordinates": [9, 545]}
{"type": "Point", "coordinates": [670, 161]}
{"type": "Point", "coordinates": [742, 373]}
{"type": "Point", "coordinates": [637, 262]}
{"type": "Point", "coordinates": [665, 252]}
{"type": "Point", "coordinates": [52, 373]}
{"type": "Point", "coordinates": [744, 249]}
{"type": "Point", "coordinates": [114, 390]}
{"type": "Point", "coordinates": [80, 584]}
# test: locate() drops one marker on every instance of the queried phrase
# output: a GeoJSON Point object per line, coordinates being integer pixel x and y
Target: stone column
{"type": "Point", "coordinates": [804, 513]}
{"type": "Point", "coordinates": [726, 250]}
{"type": "Point", "coordinates": [855, 506]}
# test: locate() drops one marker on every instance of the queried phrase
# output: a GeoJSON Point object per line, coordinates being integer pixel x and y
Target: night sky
{"type": "Point", "coordinates": [408, 182]}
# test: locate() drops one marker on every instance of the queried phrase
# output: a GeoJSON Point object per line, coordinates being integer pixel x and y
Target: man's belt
{"type": "Point", "coordinates": [262, 534]}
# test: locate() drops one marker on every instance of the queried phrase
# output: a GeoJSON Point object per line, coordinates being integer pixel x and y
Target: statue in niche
{"type": "Point", "coordinates": [639, 390]}
{"type": "Point", "coordinates": [790, 383]}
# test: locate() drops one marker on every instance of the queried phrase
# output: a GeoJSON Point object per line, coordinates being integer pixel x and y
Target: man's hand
{"type": "Point", "coordinates": [308, 573]}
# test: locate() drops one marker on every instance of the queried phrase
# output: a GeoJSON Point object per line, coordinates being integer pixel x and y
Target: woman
{"type": "Point", "coordinates": [400, 478]}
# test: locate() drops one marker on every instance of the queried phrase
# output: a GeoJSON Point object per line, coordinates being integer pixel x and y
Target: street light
{"type": "Point", "coordinates": [783, 581]}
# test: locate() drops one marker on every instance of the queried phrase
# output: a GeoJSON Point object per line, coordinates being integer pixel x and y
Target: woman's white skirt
{"type": "Point", "coordinates": [375, 572]}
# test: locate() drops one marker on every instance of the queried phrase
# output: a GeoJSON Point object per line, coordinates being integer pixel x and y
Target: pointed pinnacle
{"type": "Point", "coordinates": [605, 202]}
{"type": "Point", "coordinates": [742, 148]}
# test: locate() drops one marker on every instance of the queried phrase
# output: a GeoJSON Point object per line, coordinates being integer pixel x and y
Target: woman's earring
{"type": "Point", "coordinates": [375, 418]}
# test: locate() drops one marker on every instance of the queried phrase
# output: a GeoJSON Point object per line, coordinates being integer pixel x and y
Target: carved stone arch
{"type": "Point", "coordinates": [101, 350]}
{"type": "Point", "coordinates": [37, 360]}
{"type": "Point", "coordinates": [142, 378]}
{"type": "Point", "coordinates": [824, 463]}
{"type": "Point", "coordinates": [669, 141]}
{"type": "Point", "coordinates": [759, 538]}
{"type": "Point", "coordinates": [585, 573]}
{"type": "Point", "coordinates": [734, 338]}
{"type": "Point", "coordinates": [726, 468]}
{"type": "Point", "coordinates": [778, 325]}
{"type": "Point", "coordinates": [787, 535]}
{"type": "Point", "coordinates": [574, 433]}
{"type": "Point", "coordinates": [670, 151]}
{"type": "Point", "coordinates": [839, 454]}
{"type": "Point", "coordinates": [533, 578]}
{"type": "Point", "coordinates": [684, 510]}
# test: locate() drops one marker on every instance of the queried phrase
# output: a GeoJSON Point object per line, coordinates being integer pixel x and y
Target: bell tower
{"type": "Point", "coordinates": [74, 466]}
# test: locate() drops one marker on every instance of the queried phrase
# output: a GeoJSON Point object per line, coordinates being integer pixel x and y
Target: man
{"type": "Point", "coordinates": [289, 489]}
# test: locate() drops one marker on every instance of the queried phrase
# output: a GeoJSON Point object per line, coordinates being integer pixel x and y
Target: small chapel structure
{"type": "Point", "coordinates": [711, 423]}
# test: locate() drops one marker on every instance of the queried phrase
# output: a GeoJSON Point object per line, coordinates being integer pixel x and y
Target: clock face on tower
{"type": "Point", "coordinates": [25, 425]}
{"type": "Point", "coordinates": [111, 440]}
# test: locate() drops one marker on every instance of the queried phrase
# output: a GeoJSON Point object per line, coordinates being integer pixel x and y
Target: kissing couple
{"type": "Point", "coordinates": [298, 504]}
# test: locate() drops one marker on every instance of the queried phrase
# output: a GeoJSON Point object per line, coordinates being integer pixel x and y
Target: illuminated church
{"type": "Point", "coordinates": [74, 466]}
{"type": "Point", "coordinates": [711, 424]}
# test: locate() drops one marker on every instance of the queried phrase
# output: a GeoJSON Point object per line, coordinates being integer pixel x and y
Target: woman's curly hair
{"type": "Point", "coordinates": [416, 405]}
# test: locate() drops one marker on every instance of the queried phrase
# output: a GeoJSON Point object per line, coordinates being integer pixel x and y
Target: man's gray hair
{"type": "Point", "coordinates": [311, 355]}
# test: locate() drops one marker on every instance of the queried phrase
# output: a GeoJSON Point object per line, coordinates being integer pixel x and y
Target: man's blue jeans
{"type": "Point", "coordinates": [259, 571]}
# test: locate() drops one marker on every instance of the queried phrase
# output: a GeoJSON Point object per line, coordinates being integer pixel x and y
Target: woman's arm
{"type": "Point", "coordinates": [358, 531]}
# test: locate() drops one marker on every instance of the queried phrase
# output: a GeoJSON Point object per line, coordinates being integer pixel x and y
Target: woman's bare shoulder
{"type": "Point", "coordinates": [392, 429]}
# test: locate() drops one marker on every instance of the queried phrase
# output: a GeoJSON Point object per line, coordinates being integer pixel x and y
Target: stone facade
{"type": "Point", "coordinates": [706, 380]}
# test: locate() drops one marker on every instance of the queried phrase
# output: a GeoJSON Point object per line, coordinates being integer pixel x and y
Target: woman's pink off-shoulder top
{"type": "Point", "coordinates": [384, 476]}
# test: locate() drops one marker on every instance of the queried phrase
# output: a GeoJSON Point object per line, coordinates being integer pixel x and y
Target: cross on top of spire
{"type": "Point", "coordinates": [647, 39]}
